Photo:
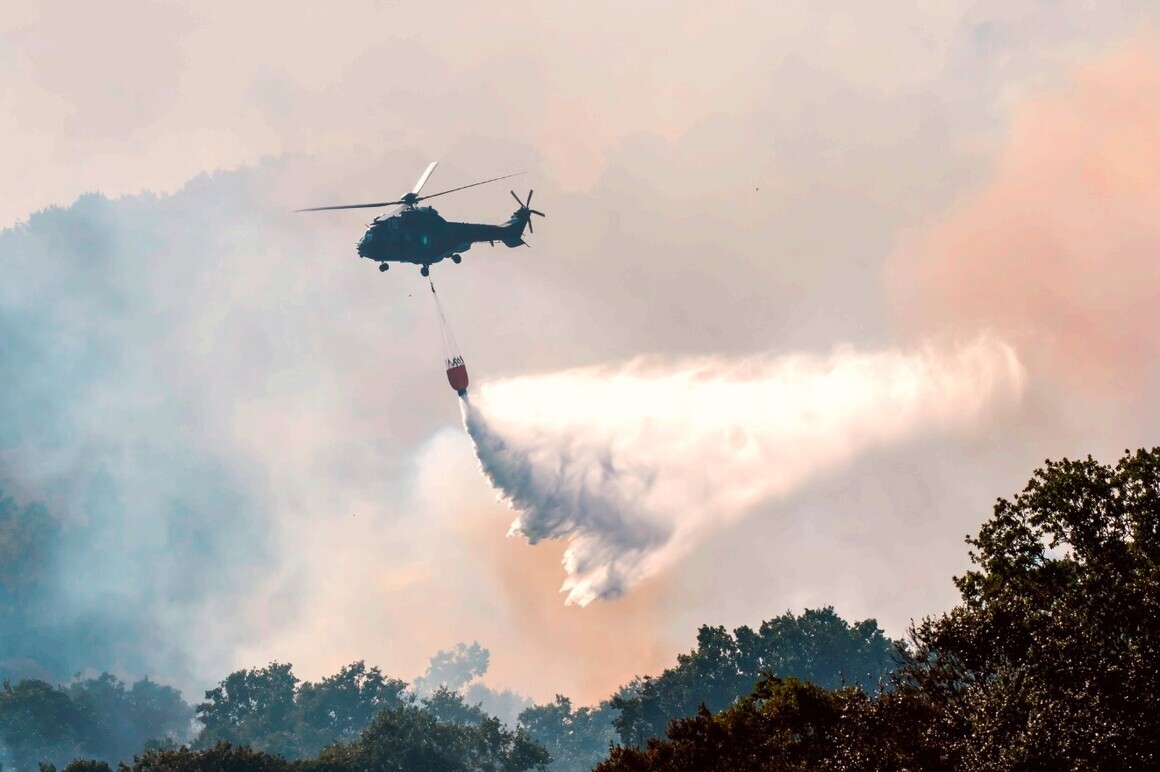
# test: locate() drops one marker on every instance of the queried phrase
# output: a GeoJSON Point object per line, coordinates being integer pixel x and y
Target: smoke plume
{"type": "Point", "coordinates": [634, 466]}
{"type": "Point", "coordinates": [1057, 251]}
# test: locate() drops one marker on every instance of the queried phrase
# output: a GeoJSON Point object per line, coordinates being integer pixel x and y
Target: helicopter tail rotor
{"type": "Point", "coordinates": [526, 210]}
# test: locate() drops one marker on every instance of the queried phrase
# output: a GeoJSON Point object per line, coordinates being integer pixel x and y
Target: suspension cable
{"type": "Point", "coordinates": [450, 347]}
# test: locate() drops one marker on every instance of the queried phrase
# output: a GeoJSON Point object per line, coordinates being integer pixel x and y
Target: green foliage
{"type": "Point", "coordinates": [818, 646]}
{"type": "Point", "coordinates": [222, 757]}
{"type": "Point", "coordinates": [783, 725]}
{"type": "Point", "coordinates": [267, 710]}
{"type": "Point", "coordinates": [87, 765]}
{"type": "Point", "coordinates": [793, 725]}
{"type": "Point", "coordinates": [96, 717]}
{"type": "Point", "coordinates": [125, 719]}
{"type": "Point", "coordinates": [452, 670]}
{"type": "Point", "coordinates": [39, 722]}
{"type": "Point", "coordinates": [339, 707]}
{"type": "Point", "coordinates": [1050, 662]}
{"type": "Point", "coordinates": [254, 708]}
{"type": "Point", "coordinates": [449, 707]}
{"type": "Point", "coordinates": [404, 737]}
{"type": "Point", "coordinates": [576, 739]}
{"type": "Point", "coordinates": [412, 737]}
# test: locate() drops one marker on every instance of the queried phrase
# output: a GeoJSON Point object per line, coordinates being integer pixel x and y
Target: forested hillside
{"type": "Point", "coordinates": [1048, 661]}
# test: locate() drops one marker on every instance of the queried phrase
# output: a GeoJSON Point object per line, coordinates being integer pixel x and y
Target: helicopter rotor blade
{"type": "Point", "coordinates": [391, 213]}
{"type": "Point", "coordinates": [423, 180]}
{"type": "Point", "coordinates": [412, 198]}
{"type": "Point", "coordinates": [348, 206]}
{"type": "Point", "coordinates": [517, 198]}
{"type": "Point", "coordinates": [465, 187]}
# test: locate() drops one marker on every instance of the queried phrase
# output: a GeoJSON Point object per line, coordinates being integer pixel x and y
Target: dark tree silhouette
{"type": "Point", "coordinates": [818, 646]}
{"type": "Point", "coordinates": [412, 737]}
{"type": "Point", "coordinates": [1048, 663]}
{"type": "Point", "coordinates": [338, 708]}
{"type": "Point", "coordinates": [1051, 660]}
{"type": "Point", "coordinates": [254, 708]}
{"type": "Point", "coordinates": [577, 739]}
{"type": "Point", "coordinates": [39, 722]}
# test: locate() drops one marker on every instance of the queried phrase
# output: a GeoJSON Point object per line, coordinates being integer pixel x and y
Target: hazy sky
{"type": "Point", "coordinates": [254, 426]}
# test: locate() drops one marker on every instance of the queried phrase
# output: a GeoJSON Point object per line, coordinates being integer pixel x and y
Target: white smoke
{"type": "Point", "coordinates": [634, 465]}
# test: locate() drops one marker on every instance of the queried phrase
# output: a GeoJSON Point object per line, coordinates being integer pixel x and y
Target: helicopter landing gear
{"type": "Point", "coordinates": [457, 259]}
{"type": "Point", "coordinates": [384, 267]}
{"type": "Point", "coordinates": [425, 270]}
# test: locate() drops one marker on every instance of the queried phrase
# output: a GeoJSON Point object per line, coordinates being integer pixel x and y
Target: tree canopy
{"type": "Point", "coordinates": [818, 646]}
{"type": "Point", "coordinates": [268, 710]}
{"type": "Point", "coordinates": [95, 717]}
{"type": "Point", "coordinates": [1049, 661]}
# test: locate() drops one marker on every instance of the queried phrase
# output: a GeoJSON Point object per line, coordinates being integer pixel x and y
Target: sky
{"type": "Point", "coordinates": [244, 431]}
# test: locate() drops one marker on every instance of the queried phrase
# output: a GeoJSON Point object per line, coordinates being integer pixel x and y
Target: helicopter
{"type": "Point", "coordinates": [419, 235]}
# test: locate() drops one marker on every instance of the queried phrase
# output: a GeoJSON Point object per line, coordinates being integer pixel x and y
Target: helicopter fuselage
{"type": "Point", "coordinates": [421, 236]}
{"type": "Point", "coordinates": [417, 234]}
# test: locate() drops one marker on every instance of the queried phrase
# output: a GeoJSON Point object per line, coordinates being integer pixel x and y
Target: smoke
{"type": "Point", "coordinates": [225, 412]}
{"type": "Point", "coordinates": [1057, 251]}
{"type": "Point", "coordinates": [144, 528]}
{"type": "Point", "coordinates": [633, 466]}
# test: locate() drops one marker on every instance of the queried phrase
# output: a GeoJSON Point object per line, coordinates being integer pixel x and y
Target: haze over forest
{"type": "Point", "coordinates": [833, 279]}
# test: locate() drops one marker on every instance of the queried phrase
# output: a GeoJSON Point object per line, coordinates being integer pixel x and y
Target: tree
{"type": "Point", "coordinates": [450, 708]}
{"type": "Point", "coordinates": [40, 723]}
{"type": "Point", "coordinates": [793, 725]}
{"type": "Point", "coordinates": [339, 707]}
{"type": "Point", "coordinates": [96, 717]}
{"type": "Point", "coordinates": [159, 712]}
{"type": "Point", "coordinates": [412, 737]}
{"type": "Point", "coordinates": [87, 765]}
{"type": "Point", "coordinates": [29, 536]}
{"type": "Point", "coordinates": [220, 757]}
{"type": "Point", "coordinates": [253, 708]}
{"type": "Point", "coordinates": [124, 720]}
{"type": "Point", "coordinates": [576, 739]}
{"type": "Point", "coordinates": [1050, 661]}
{"type": "Point", "coordinates": [782, 725]}
{"type": "Point", "coordinates": [819, 646]}
{"type": "Point", "coordinates": [453, 669]}
{"type": "Point", "coordinates": [504, 704]}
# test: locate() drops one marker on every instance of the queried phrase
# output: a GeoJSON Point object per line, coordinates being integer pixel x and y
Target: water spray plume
{"type": "Point", "coordinates": [634, 465]}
